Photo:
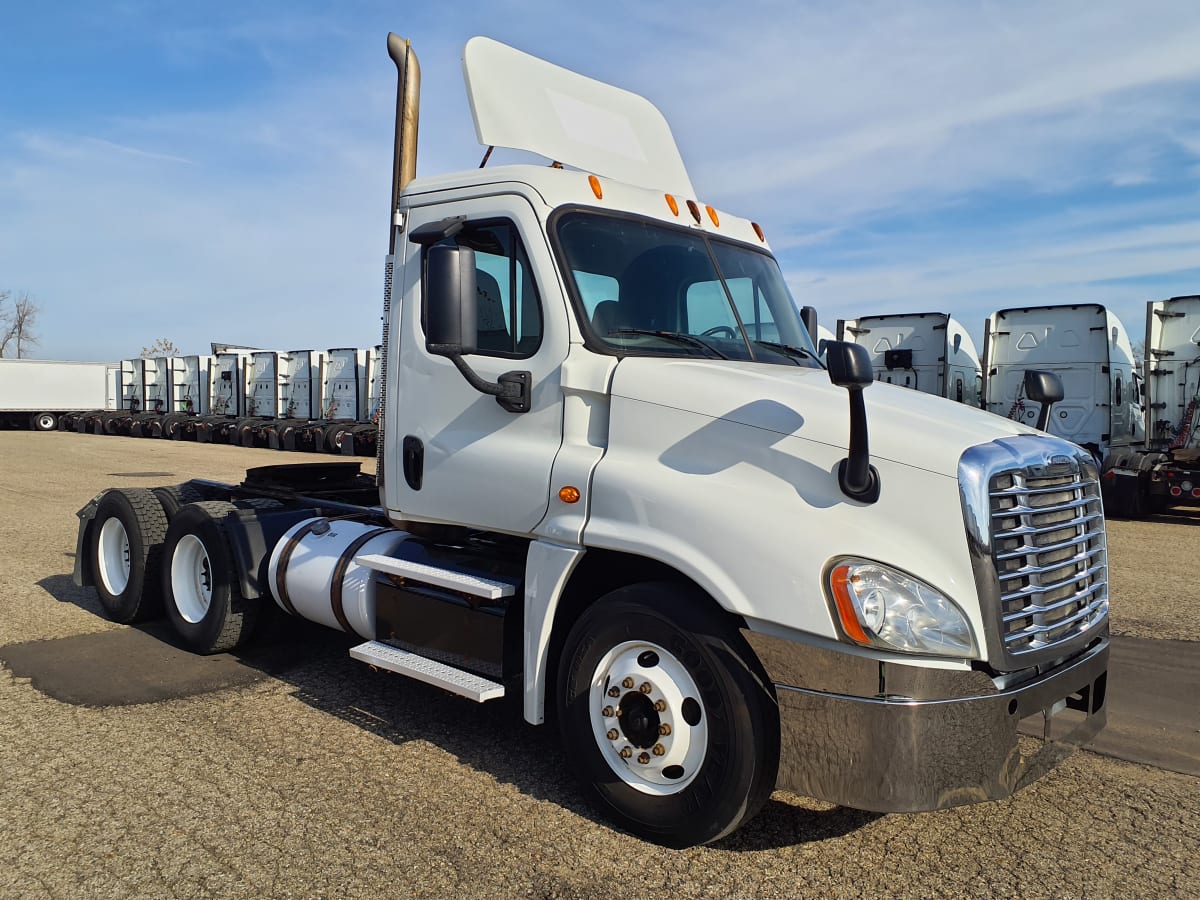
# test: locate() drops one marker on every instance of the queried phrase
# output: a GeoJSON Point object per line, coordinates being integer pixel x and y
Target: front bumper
{"type": "Point", "coordinates": [899, 754]}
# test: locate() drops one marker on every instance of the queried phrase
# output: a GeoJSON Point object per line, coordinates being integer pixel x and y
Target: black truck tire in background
{"type": "Point", "coordinates": [174, 497]}
{"type": "Point", "coordinates": [43, 421]}
{"type": "Point", "coordinates": [125, 554]}
{"type": "Point", "coordinates": [652, 664]}
{"type": "Point", "coordinates": [200, 586]}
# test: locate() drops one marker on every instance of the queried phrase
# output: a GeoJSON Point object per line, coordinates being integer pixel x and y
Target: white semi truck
{"type": "Point", "coordinates": [1164, 471]}
{"type": "Point", "coordinates": [615, 485]}
{"type": "Point", "coordinates": [36, 393]}
{"type": "Point", "coordinates": [1088, 348]}
{"type": "Point", "coordinates": [930, 352]}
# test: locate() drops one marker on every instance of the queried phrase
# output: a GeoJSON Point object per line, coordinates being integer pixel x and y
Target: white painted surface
{"type": "Point", "coordinates": [42, 385]}
{"type": "Point", "coordinates": [526, 103]}
{"type": "Point", "coordinates": [1172, 365]}
{"type": "Point", "coordinates": [944, 360]}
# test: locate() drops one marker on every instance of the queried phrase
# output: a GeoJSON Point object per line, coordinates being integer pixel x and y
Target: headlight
{"type": "Point", "coordinates": [882, 607]}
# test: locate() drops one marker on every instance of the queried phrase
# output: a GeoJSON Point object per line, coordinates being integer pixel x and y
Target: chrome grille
{"type": "Point", "coordinates": [1050, 556]}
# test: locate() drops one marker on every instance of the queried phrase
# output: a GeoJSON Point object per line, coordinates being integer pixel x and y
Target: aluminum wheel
{"type": "Point", "coordinates": [191, 578]}
{"type": "Point", "coordinates": [648, 718]}
{"type": "Point", "coordinates": [113, 556]}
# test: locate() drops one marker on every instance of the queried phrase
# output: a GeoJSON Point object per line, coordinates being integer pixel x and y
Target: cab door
{"type": "Point", "coordinates": [456, 455]}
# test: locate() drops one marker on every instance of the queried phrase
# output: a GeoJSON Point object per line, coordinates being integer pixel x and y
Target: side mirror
{"type": "Point", "coordinates": [1045, 388]}
{"type": "Point", "coordinates": [451, 322]}
{"type": "Point", "coordinates": [808, 315]}
{"type": "Point", "coordinates": [849, 366]}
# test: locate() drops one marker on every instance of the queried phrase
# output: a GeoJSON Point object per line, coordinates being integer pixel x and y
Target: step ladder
{"type": "Point", "coordinates": [422, 668]}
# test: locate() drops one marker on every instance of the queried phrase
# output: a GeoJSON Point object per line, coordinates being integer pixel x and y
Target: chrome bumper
{"type": "Point", "coordinates": [957, 745]}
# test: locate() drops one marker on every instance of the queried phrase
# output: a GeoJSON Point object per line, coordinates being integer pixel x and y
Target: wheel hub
{"type": "Point", "coordinates": [648, 718]}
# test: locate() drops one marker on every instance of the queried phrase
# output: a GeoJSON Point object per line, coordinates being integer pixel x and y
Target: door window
{"type": "Point", "coordinates": [507, 304]}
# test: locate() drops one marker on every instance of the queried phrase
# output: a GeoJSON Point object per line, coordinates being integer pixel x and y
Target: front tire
{"type": "Point", "coordinates": [125, 554]}
{"type": "Point", "coordinates": [667, 715]}
{"type": "Point", "coordinates": [200, 582]}
{"type": "Point", "coordinates": [43, 421]}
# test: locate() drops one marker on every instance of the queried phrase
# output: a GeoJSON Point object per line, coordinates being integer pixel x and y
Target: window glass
{"type": "Point", "coordinates": [509, 311]}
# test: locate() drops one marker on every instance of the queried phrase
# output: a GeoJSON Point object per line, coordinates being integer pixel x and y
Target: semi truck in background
{"type": "Point", "coordinates": [1088, 348]}
{"type": "Point", "coordinates": [616, 485]}
{"type": "Point", "coordinates": [36, 393]}
{"type": "Point", "coordinates": [1164, 470]}
{"type": "Point", "coordinates": [929, 352]}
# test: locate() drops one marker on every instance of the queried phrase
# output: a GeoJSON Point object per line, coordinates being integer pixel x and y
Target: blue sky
{"type": "Point", "coordinates": [220, 171]}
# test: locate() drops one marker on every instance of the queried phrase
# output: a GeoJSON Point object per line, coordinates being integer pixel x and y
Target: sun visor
{"type": "Point", "coordinates": [526, 103]}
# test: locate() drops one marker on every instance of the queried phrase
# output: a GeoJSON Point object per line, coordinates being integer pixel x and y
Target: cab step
{"type": "Point", "coordinates": [475, 585]}
{"type": "Point", "coordinates": [456, 681]}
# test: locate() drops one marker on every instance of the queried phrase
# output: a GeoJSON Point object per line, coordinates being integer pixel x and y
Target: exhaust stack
{"type": "Point", "coordinates": [408, 102]}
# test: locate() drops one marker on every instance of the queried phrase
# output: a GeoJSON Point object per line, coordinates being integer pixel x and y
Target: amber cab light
{"type": "Point", "coordinates": [595, 183]}
{"type": "Point", "coordinates": [839, 581]}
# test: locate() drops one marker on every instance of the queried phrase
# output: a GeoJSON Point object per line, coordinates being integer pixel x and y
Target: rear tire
{"type": "Point", "coordinates": [666, 714]}
{"type": "Point", "coordinates": [43, 421]}
{"type": "Point", "coordinates": [174, 497]}
{"type": "Point", "coordinates": [125, 554]}
{"type": "Point", "coordinates": [200, 584]}
{"type": "Point", "coordinates": [335, 434]}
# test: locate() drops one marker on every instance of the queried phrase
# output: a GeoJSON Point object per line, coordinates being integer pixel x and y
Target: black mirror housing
{"type": "Point", "coordinates": [808, 315]}
{"type": "Point", "coordinates": [451, 322]}
{"type": "Point", "coordinates": [849, 364]}
{"type": "Point", "coordinates": [1043, 387]}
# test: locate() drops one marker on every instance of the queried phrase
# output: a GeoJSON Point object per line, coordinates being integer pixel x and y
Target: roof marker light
{"type": "Point", "coordinates": [758, 230]}
{"type": "Point", "coordinates": [712, 214]}
{"type": "Point", "coordinates": [674, 207]}
{"type": "Point", "coordinates": [694, 210]}
{"type": "Point", "coordinates": [595, 183]}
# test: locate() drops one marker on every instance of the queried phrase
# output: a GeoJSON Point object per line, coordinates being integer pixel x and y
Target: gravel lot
{"type": "Point", "coordinates": [318, 777]}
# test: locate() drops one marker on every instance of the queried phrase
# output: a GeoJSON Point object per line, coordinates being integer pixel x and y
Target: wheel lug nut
{"type": "Point", "coordinates": [614, 691]}
{"type": "Point", "coordinates": [658, 750]}
{"type": "Point", "coordinates": [608, 712]}
{"type": "Point", "coordinates": [664, 728]}
{"type": "Point", "coordinates": [645, 688]}
{"type": "Point", "coordinates": [660, 705]}
{"type": "Point", "coordinates": [626, 752]}
{"type": "Point", "coordinates": [627, 682]}
{"type": "Point", "coordinates": [643, 758]}
{"type": "Point", "coordinates": [613, 734]}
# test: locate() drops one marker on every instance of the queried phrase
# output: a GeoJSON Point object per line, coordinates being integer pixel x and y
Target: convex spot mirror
{"type": "Point", "coordinates": [451, 322]}
{"type": "Point", "coordinates": [849, 364]}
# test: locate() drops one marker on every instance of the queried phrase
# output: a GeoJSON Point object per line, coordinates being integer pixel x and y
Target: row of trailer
{"type": "Point", "coordinates": [1139, 415]}
{"type": "Point", "coordinates": [314, 400]}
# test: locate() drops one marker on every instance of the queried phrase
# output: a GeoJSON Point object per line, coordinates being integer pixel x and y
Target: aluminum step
{"type": "Point", "coordinates": [443, 578]}
{"type": "Point", "coordinates": [430, 671]}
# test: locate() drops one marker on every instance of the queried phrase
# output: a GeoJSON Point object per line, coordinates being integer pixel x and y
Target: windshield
{"type": "Point", "coordinates": [649, 288]}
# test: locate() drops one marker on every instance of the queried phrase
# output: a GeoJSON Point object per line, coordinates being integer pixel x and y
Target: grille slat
{"type": "Point", "coordinates": [1047, 598]}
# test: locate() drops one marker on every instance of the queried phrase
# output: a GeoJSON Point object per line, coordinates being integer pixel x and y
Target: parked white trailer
{"type": "Point", "coordinates": [1088, 347]}
{"type": "Point", "coordinates": [35, 393]}
{"type": "Point", "coordinates": [721, 566]}
{"type": "Point", "coordinates": [929, 352]}
{"type": "Point", "coordinates": [1165, 471]}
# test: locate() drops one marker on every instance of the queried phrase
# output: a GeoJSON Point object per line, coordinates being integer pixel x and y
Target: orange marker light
{"type": "Point", "coordinates": [694, 210]}
{"type": "Point", "coordinates": [839, 581]}
{"type": "Point", "coordinates": [712, 214]}
{"type": "Point", "coordinates": [568, 494]}
{"type": "Point", "coordinates": [758, 230]}
{"type": "Point", "coordinates": [674, 207]}
{"type": "Point", "coordinates": [595, 183]}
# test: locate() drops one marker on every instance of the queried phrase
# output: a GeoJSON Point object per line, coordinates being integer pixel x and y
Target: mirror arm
{"type": "Point", "coordinates": [1043, 420]}
{"type": "Point", "coordinates": [856, 476]}
{"type": "Point", "coordinates": [512, 390]}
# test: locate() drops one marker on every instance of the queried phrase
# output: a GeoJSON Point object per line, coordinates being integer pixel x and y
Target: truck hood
{"type": "Point", "coordinates": [904, 425]}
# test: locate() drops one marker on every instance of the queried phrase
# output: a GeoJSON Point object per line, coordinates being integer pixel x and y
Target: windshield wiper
{"type": "Point", "coordinates": [689, 340]}
{"type": "Point", "coordinates": [788, 349]}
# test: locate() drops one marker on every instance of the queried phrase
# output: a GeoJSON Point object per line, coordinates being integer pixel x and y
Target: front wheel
{"type": "Point", "coordinates": [201, 589]}
{"type": "Point", "coordinates": [43, 421]}
{"type": "Point", "coordinates": [667, 716]}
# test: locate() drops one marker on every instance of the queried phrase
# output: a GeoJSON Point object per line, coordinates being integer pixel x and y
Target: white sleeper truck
{"type": "Point", "coordinates": [616, 486]}
{"type": "Point", "coordinates": [1165, 470]}
{"type": "Point", "coordinates": [1088, 348]}
{"type": "Point", "coordinates": [930, 352]}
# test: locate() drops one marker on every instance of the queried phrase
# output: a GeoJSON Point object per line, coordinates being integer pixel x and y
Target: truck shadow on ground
{"type": "Point", "coordinates": [122, 666]}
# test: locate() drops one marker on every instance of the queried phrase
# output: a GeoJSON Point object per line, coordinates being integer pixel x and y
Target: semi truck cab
{"type": "Point", "coordinates": [616, 484]}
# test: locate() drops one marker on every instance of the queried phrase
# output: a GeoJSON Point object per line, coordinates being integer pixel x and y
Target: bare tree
{"type": "Point", "coordinates": [161, 347]}
{"type": "Point", "coordinates": [17, 322]}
